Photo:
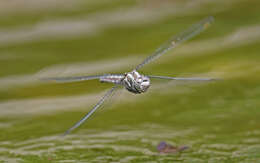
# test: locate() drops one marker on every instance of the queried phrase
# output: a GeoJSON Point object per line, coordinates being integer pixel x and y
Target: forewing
{"type": "Point", "coordinates": [176, 40]}
{"type": "Point", "coordinates": [100, 102]}
{"type": "Point", "coordinates": [182, 78]}
{"type": "Point", "coordinates": [75, 79]}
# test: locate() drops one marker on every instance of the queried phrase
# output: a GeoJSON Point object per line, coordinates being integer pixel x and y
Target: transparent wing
{"type": "Point", "coordinates": [180, 78]}
{"type": "Point", "coordinates": [100, 102]}
{"type": "Point", "coordinates": [75, 79]}
{"type": "Point", "coordinates": [172, 43]}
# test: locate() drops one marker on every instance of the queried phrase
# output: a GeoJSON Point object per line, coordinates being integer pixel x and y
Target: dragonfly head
{"type": "Point", "coordinates": [136, 83]}
{"type": "Point", "coordinates": [145, 83]}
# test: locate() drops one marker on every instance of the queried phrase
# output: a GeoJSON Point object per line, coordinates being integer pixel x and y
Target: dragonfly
{"type": "Point", "coordinates": [134, 81]}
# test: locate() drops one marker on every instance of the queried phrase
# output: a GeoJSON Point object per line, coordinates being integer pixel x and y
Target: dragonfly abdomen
{"type": "Point", "coordinates": [115, 79]}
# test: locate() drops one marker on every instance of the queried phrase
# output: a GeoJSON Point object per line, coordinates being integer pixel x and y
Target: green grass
{"type": "Point", "coordinates": [219, 120]}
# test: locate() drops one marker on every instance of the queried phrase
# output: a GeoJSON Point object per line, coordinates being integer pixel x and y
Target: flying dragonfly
{"type": "Point", "coordinates": [133, 81]}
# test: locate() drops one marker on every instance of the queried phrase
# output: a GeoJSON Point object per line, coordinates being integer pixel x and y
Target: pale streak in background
{"type": "Point", "coordinates": [71, 28]}
{"type": "Point", "coordinates": [49, 105]}
{"type": "Point", "coordinates": [92, 68]}
{"type": "Point", "coordinates": [36, 6]}
{"type": "Point", "coordinates": [241, 36]}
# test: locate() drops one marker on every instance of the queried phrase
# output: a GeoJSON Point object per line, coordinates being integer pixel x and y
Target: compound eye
{"type": "Point", "coordinates": [139, 80]}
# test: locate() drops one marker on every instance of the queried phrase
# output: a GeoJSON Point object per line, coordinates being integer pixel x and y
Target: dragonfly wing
{"type": "Point", "coordinates": [172, 43]}
{"type": "Point", "coordinates": [100, 102]}
{"type": "Point", "coordinates": [182, 78]}
{"type": "Point", "coordinates": [76, 78]}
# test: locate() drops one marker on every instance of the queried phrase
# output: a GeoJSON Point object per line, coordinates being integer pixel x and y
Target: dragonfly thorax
{"type": "Point", "coordinates": [136, 83]}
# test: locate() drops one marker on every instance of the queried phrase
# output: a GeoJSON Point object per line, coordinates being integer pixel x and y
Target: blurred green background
{"type": "Point", "coordinates": [219, 121]}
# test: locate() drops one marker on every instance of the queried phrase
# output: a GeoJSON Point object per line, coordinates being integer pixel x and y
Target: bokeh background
{"type": "Point", "coordinates": [219, 121]}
